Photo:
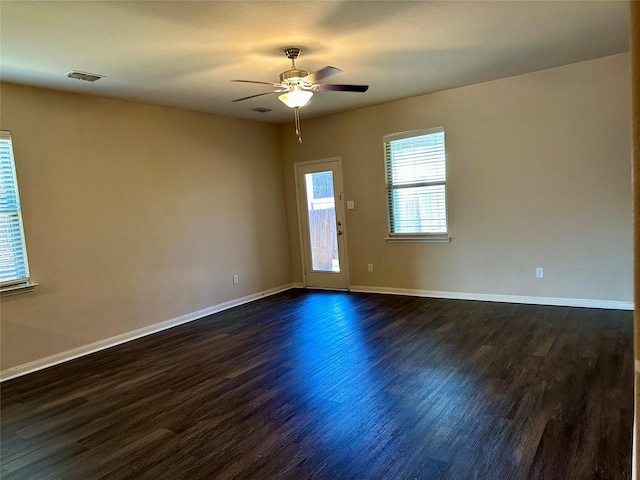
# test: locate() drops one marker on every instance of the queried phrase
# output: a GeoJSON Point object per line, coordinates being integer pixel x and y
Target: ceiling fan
{"type": "Point", "coordinates": [298, 86]}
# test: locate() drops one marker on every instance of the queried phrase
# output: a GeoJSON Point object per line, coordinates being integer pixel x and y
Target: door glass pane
{"type": "Point", "coordinates": [321, 209]}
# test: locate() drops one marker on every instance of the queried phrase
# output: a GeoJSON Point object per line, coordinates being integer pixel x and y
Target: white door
{"type": "Point", "coordinates": [322, 233]}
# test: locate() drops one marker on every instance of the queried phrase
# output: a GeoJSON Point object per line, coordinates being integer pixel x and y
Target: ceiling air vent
{"type": "Point", "coordinates": [87, 77]}
{"type": "Point", "coordinates": [261, 109]}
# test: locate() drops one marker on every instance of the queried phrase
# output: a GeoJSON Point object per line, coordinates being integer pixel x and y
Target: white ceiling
{"type": "Point", "coordinates": [184, 54]}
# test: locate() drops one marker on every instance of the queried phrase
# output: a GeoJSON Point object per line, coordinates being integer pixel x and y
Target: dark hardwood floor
{"type": "Point", "coordinates": [329, 385]}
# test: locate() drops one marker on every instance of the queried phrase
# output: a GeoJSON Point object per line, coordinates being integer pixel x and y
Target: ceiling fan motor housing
{"type": "Point", "coordinates": [293, 76]}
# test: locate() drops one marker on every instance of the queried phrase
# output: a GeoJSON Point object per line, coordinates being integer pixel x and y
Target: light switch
{"type": "Point", "coordinates": [350, 205]}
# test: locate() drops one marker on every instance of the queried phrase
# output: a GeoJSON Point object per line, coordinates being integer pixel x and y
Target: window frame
{"type": "Point", "coordinates": [19, 283]}
{"type": "Point", "coordinates": [389, 187]}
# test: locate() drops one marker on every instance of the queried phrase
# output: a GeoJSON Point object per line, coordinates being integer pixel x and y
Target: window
{"type": "Point", "coordinates": [14, 268]}
{"type": "Point", "coordinates": [417, 185]}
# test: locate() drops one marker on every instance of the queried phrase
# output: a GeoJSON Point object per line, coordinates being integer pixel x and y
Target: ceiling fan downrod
{"type": "Point", "coordinates": [293, 76]}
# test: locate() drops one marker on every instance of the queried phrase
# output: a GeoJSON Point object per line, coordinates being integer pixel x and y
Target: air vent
{"type": "Point", "coordinates": [261, 109]}
{"type": "Point", "coordinates": [87, 77]}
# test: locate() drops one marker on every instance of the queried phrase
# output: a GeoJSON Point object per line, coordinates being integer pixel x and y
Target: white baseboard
{"type": "Point", "coordinates": [485, 297]}
{"type": "Point", "coordinates": [62, 357]}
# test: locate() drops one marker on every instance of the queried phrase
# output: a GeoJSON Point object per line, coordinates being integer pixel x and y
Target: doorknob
{"type": "Point", "coordinates": [339, 232]}
{"type": "Point", "coordinates": [339, 224]}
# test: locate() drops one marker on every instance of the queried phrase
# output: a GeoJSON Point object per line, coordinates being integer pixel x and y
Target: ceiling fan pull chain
{"type": "Point", "coordinates": [297, 121]}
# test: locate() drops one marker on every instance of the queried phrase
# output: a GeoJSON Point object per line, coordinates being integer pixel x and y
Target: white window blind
{"type": "Point", "coordinates": [417, 183]}
{"type": "Point", "coordinates": [14, 268]}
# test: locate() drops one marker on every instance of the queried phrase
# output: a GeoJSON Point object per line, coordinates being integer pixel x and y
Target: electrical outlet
{"type": "Point", "coordinates": [539, 272]}
{"type": "Point", "coordinates": [236, 280]}
{"type": "Point", "coordinates": [370, 267]}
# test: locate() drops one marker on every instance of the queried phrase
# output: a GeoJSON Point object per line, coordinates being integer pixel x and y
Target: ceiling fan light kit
{"type": "Point", "coordinates": [297, 97]}
{"type": "Point", "coordinates": [297, 86]}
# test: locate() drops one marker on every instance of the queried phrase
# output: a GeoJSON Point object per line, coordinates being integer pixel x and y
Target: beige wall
{"type": "Point", "coordinates": [539, 176]}
{"type": "Point", "coordinates": [136, 215]}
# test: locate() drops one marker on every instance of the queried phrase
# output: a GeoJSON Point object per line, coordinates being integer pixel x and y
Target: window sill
{"type": "Point", "coordinates": [420, 238]}
{"type": "Point", "coordinates": [16, 289]}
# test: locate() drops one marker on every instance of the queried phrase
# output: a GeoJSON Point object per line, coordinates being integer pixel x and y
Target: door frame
{"type": "Point", "coordinates": [338, 197]}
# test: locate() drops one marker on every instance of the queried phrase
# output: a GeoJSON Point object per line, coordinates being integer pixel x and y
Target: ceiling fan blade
{"type": "Point", "coordinates": [321, 74]}
{"type": "Point", "coordinates": [261, 83]}
{"type": "Point", "coordinates": [252, 96]}
{"type": "Point", "coordinates": [341, 88]}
